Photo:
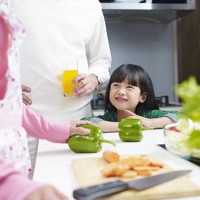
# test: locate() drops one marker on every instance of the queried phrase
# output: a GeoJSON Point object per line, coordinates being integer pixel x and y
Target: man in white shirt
{"type": "Point", "coordinates": [58, 34]}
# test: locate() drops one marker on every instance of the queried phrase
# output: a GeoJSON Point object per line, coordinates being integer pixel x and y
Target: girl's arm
{"type": "Point", "coordinates": [156, 118]}
{"type": "Point", "coordinates": [159, 118]}
{"type": "Point", "coordinates": [155, 122]}
{"type": "Point", "coordinates": [107, 122]}
{"type": "Point", "coordinates": [14, 185]}
{"type": "Point", "coordinates": [107, 126]}
{"type": "Point", "coordinates": [37, 126]}
{"type": "Point", "coordinates": [10, 178]}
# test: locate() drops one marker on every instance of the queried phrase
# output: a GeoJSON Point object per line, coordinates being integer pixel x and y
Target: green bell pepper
{"type": "Point", "coordinates": [130, 130]}
{"type": "Point", "coordinates": [90, 143]}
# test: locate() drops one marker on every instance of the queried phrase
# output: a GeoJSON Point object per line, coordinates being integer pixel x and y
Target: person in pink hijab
{"type": "Point", "coordinates": [16, 119]}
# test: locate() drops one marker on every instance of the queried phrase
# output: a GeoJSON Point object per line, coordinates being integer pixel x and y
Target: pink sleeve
{"type": "Point", "coordinates": [37, 126]}
{"type": "Point", "coordinates": [13, 184]}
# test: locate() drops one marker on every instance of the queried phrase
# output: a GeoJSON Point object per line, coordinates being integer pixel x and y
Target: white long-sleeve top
{"type": "Point", "coordinates": [58, 34]}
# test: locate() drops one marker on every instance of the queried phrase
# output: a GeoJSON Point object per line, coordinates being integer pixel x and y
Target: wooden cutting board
{"type": "Point", "coordinates": [88, 172]}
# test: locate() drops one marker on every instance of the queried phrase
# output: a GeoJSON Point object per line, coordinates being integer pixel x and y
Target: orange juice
{"type": "Point", "coordinates": [68, 76]}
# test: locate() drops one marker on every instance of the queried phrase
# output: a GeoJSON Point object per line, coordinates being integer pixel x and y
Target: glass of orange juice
{"type": "Point", "coordinates": [68, 76]}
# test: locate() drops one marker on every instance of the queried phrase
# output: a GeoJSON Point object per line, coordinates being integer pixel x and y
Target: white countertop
{"type": "Point", "coordinates": [53, 164]}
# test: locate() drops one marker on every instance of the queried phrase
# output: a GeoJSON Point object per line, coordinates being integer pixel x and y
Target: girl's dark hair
{"type": "Point", "coordinates": [136, 76]}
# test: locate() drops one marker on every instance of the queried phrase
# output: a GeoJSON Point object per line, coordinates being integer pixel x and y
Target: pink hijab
{"type": "Point", "coordinates": [4, 43]}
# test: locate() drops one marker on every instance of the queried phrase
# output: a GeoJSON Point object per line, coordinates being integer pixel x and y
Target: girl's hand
{"type": "Point", "coordinates": [86, 84]}
{"type": "Point", "coordinates": [46, 193]}
{"type": "Point", "coordinates": [75, 129]}
{"type": "Point", "coordinates": [146, 122]}
{"type": "Point", "coordinates": [25, 98]}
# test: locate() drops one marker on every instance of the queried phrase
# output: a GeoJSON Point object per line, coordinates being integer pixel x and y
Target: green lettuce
{"type": "Point", "coordinates": [194, 139]}
{"type": "Point", "coordinates": [189, 92]}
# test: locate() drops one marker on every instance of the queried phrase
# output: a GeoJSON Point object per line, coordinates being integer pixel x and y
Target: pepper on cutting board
{"type": "Point", "coordinates": [90, 143]}
{"type": "Point", "coordinates": [130, 130]}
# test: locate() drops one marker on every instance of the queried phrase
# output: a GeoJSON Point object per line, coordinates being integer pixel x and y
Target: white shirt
{"type": "Point", "coordinates": [60, 33]}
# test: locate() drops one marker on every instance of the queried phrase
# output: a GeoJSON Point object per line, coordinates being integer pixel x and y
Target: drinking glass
{"type": "Point", "coordinates": [68, 75]}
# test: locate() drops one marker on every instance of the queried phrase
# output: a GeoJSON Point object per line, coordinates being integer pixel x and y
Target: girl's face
{"type": "Point", "coordinates": [124, 96]}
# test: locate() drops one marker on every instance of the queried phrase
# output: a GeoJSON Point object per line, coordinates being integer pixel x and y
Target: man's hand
{"type": "Point", "coordinates": [26, 99]}
{"type": "Point", "coordinates": [86, 84]}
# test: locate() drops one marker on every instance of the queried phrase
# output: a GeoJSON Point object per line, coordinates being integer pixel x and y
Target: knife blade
{"type": "Point", "coordinates": [96, 191]}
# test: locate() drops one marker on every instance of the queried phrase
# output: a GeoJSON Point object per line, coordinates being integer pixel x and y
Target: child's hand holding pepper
{"type": "Point", "coordinates": [75, 127]}
{"type": "Point", "coordinates": [146, 122]}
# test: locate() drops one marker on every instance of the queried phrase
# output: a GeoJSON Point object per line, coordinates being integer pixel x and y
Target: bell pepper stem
{"type": "Point", "coordinates": [145, 128]}
{"type": "Point", "coordinates": [107, 141]}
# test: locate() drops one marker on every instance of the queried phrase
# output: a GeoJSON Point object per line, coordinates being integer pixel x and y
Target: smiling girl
{"type": "Point", "coordinates": [130, 93]}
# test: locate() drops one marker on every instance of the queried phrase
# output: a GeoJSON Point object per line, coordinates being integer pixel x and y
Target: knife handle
{"type": "Point", "coordinates": [96, 191]}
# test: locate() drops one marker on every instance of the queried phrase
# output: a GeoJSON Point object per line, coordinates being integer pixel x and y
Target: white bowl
{"type": "Point", "coordinates": [175, 142]}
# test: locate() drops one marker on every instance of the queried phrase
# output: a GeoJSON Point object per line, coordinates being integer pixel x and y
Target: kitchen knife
{"type": "Point", "coordinates": [96, 191]}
